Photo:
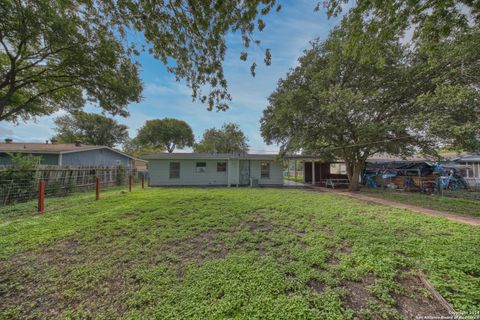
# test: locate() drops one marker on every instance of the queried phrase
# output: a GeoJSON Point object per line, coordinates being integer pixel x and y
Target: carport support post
{"type": "Point", "coordinates": [295, 168]}
{"type": "Point", "coordinates": [41, 196]}
{"type": "Point", "coordinates": [313, 172]}
{"type": "Point", "coordinates": [130, 180]}
{"type": "Point", "coordinates": [97, 188]}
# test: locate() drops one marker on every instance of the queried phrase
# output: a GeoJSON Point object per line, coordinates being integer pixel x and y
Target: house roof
{"type": "Point", "coordinates": [54, 148]}
{"type": "Point", "coordinates": [212, 156]}
{"type": "Point", "coordinates": [470, 157]}
{"type": "Point", "coordinates": [383, 157]}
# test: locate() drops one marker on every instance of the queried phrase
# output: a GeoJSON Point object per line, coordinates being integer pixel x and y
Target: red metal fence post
{"type": "Point", "coordinates": [97, 189]}
{"type": "Point", "coordinates": [130, 180]}
{"type": "Point", "coordinates": [41, 196]}
{"type": "Point", "coordinates": [143, 182]}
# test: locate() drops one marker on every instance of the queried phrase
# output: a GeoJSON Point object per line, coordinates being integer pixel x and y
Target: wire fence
{"type": "Point", "coordinates": [22, 186]}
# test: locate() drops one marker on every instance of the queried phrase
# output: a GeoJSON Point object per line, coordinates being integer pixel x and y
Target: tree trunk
{"type": "Point", "coordinates": [354, 169]}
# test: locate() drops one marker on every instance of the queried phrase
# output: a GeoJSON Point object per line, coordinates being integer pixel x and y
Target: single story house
{"type": "Point", "coordinates": [64, 154]}
{"type": "Point", "coordinates": [214, 169]}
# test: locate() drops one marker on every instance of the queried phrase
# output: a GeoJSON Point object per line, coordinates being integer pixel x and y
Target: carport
{"type": "Point", "coordinates": [319, 172]}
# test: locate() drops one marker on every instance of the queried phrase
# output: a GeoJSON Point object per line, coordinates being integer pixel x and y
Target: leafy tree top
{"type": "Point", "coordinates": [228, 139]}
{"type": "Point", "coordinates": [90, 128]}
{"type": "Point", "coordinates": [165, 133]}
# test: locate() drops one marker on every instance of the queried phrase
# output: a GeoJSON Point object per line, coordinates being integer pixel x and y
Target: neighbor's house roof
{"type": "Point", "coordinates": [210, 156]}
{"type": "Point", "coordinates": [382, 157]}
{"type": "Point", "coordinates": [54, 148]}
{"type": "Point", "coordinates": [470, 157]}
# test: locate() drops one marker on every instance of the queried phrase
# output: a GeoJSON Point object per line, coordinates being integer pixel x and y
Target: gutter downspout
{"type": "Point", "coordinates": [228, 175]}
{"type": "Point", "coordinates": [238, 172]}
{"type": "Point", "coordinates": [60, 159]}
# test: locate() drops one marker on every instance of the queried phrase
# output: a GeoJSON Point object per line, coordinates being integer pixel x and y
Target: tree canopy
{"type": "Point", "coordinates": [59, 54]}
{"type": "Point", "coordinates": [90, 128]}
{"type": "Point", "coordinates": [339, 106]}
{"type": "Point", "coordinates": [54, 57]}
{"type": "Point", "coordinates": [425, 23]}
{"type": "Point", "coordinates": [165, 134]}
{"type": "Point", "coordinates": [228, 139]}
{"type": "Point", "coordinates": [134, 148]}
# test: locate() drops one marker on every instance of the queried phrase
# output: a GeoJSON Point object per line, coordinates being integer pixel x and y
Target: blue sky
{"type": "Point", "coordinates": [287, 34]}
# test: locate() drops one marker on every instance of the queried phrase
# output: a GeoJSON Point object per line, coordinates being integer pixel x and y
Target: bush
{"type": "Point", "coordinates": [18, 182]}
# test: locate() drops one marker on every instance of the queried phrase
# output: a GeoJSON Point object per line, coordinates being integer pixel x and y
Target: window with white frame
{"type": "Point", "coordinates": [201, 167]}
{"type": "Point", "coordinates": [174, 170]}
{"type": "Point", "coordinates": [265, 169]}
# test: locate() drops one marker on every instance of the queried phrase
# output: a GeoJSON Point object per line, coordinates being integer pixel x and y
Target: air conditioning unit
{"type": "Point", "coordinates": [253, 182]}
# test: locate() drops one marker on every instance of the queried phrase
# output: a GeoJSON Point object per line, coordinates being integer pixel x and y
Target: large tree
{"type": "Point", "coordinates": [165, 133]}
{"type": "Point", "coordinates": [229, 139]}
{"type": "Point", "coordinates": [425, 23]}
{"type": "Point", "coordinates": [90, 128]}
{"type": "Point", "coordinates": [59, 54]}
{"type": "Point", "coordinates": [52, 56]}
{"type": "Point", "coordinates": [338, 106]}
{"type": "Point", "coordinates": [134, 148]}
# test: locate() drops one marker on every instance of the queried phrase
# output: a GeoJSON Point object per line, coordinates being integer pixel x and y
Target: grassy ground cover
{"type": "Point", "coordinates": [292, 178]}
{"type": "Point", "coordinates": [457, 202]}
{"type": "Point", "coordinates": [231, 253]}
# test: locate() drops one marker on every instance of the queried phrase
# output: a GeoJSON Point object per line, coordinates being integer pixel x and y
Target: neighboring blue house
{"type": "Point", "coordinates": [75, 154]}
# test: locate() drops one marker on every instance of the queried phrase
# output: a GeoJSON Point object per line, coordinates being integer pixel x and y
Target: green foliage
{"type": "Point", "coordinates": [228, 139]}
{"type": "Point", "coordinates": [24, 162]}
{"type": "Point", "coordinates": [90, 128]}
{"type": "Point", "coordinates": [58, 55]}
{"type": "Point", "coordinates": [136, 149]}
{"type": "Point", "coordinates": [54, 55]}
{"type": "Point", "coordinates": [458, 202]}
{"type": "Point", "coordinates": [121, 175]}
{"type": "Point", "coordinates": [339, 106]}
{"type": "Point", "coordinates": [426, 22]}
{"type": "Point", "coordinates": [18, 182]}
{"type": "Point", "coordinates": [166, 134]}
{"type": "Point", "coordinates": [183, 253]}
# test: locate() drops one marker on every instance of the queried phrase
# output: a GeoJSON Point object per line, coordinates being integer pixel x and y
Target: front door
{"type": "Point", "coordinates": [244, 172]}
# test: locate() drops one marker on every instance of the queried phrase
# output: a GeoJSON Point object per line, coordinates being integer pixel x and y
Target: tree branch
{"type": "Point", "coordinates": [26, 103]}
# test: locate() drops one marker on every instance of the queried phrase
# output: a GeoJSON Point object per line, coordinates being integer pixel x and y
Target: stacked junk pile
{"type": "Point", "coordinates": [420, 176]}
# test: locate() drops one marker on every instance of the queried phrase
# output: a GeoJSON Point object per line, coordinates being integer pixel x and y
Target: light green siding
{"type": "Point", "coordinates": [233, 172]}
{"type": "Point", "coordinates": [276, 173]}
{"type": "Point", "coordinates": [159, 172]}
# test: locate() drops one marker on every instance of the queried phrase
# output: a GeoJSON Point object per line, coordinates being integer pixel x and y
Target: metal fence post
{"type": "Point", "coordinates": [41, 196]}
{"type": "Point", "coordinates": [97, 189]}
{"type": "Point", "coordinates": [130, 180]}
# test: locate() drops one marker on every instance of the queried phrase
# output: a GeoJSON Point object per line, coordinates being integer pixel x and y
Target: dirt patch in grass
{"type": "Point", "coordinates": [418, 300]}
{"type": "Point", "coordinates": [357, 295]}
{"type": "Point", "coordinates": [258, 225]}
{"type": "Point", "coordinates": [195, 249]}
{"type": "Point", "coordinates": [415, 301]}
{"type": "Point", "coordinates": [316, 285]}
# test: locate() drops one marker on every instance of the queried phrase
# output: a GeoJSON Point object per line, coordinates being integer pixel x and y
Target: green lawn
{"type": "Point", "coordinates": [458, 202]}
{"type": "Point", "coordinates": [230, 253]}
{"type": "Point", "coordinates": [292, 178]}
